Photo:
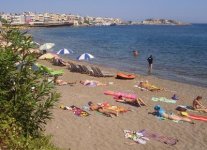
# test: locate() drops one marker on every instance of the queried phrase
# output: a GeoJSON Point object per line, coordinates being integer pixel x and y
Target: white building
{"type": "Point", "coordinates": [18, 20]}
{"type": "Point", "coordinates": [47, 17]}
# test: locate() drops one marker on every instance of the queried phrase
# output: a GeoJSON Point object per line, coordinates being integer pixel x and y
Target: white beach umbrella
{"type": "Point", "coordinates": [48, 56]}
{"type": "Point", "coordinates": [85, 56]}
{"type": "Point", "coordinates": [47, 46]}
{"type": "Point", "coordinates": [64, 51]}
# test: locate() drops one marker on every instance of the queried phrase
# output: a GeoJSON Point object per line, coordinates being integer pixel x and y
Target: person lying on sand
{"type": "Point", "coordinates": [160, 112]}
{"type": "Point", "coordinates": [197, 105]}
{"type": "Point", "coordinates": [107, 109]}
{"type": "Point", "coordinates": [137, 101]}
{"type": "Point", "coordinates": [91, 83]}
{"type": "Point", "coordinates": [61, 82]}
{"type": "Point", "coordinates": [148, 86]}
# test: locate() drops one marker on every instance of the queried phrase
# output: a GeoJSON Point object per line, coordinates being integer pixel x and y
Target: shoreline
{"type": "Point", "coordinates": [100, 132]}
{"type": "Point", "coordinates": [142, 74]}
{"type": "Point", "coordinates": [116, 70]}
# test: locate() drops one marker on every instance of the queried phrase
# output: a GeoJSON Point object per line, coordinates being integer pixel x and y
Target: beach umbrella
{"type": "Point", "coordinates": [64, 51]}
{"type": "Point", "coordinates": [37, 43]}
{"type": "Point", "coordinates": [47, 46]}
{"type": "Point", "coordinates": [48, 56]}
{"type": "Point", "coordinates": [85, 56]}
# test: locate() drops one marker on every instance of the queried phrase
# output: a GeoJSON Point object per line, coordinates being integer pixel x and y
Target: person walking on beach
{"type": "Point", "coordinates": [150, 61]}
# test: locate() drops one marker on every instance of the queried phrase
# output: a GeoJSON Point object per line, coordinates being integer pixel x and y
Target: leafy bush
{"type": "Point", "coordinates": [26, 98]}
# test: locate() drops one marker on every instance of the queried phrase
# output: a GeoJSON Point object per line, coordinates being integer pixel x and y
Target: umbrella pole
{"type": "Point", "coordinates": [44, 51]}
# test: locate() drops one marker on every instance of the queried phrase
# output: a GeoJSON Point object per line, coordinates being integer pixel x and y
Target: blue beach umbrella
{"type": "Point", "coordinates": [85, 56]}
{"type": "Point", "coordinates": [64, 51]}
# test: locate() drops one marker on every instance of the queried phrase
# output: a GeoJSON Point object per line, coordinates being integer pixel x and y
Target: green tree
{"type": "Point", "coordinates": [26, 97]}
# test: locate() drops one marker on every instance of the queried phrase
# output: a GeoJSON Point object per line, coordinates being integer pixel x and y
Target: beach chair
{"type": "Point", "coordinates": [71, 67]}
{"type": "Point", "coordinates": [88, 70]}
{"type": "Point", "coordinates": [104, 74]}
{"type": "Point", "coordinates": [74, 68]}
{"type": "Point", "coordinates": [82, 70]}
{"type": "Point", "coordinates": [95, 72]}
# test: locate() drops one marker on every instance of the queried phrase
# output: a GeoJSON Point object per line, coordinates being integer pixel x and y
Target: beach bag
{"type": "Point", "coordinates": [181, 109]}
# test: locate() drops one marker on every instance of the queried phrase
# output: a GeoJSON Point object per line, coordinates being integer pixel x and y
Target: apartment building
{"type": "Point", "coordinates": [18, 20]}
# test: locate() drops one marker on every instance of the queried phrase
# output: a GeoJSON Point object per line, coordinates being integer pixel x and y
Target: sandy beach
{"type": "Point", "coordinates": [98, 132]}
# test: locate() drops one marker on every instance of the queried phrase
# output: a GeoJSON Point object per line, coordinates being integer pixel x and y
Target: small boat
{"type": "Point", "coordinates": [125, 76]}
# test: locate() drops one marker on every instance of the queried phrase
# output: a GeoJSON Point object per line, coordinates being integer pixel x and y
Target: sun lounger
{"type": "Point", "coordinates": [88, 70]}
{"type": "Point", "coordinates": [73, 67]}
{"type": "Point", "coordinates": [82, 70]}
{"type": "Point", "coordinates": [95, 72]}
{"type": "Point", "coordinates": [104, 74]}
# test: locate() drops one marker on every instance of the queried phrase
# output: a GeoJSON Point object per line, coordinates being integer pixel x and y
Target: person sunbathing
{"type": "Point", "coordinates": [160, 112]}
{"type": "Point", "coordinates": [197, 105]}
{"type": "Point", "coordinates": [61, 82]}
{"type": "Point", "coordinates": [137, 101]}
{"type": "Point", "coordinates": [91, 83]}
{"type": "Point", "coordinates": [107, 109]}
{"type": "Point", "coordinates": [148, 86]}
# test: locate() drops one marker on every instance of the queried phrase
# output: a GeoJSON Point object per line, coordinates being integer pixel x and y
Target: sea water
{"type": "Point", "coordinates": [179, 52]}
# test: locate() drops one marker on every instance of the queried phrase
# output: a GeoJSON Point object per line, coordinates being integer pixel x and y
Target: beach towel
{"type": "Point", "coordinates": [90, 84]}
{"type": "Point", "coordinates": [195, 117]}
{"type": "Point", "coordinates": [136, 136]}
{"type": "Point", "coordinates": [77, 111]}
{"type": "Point", "coordinates": [162, 118]}
{"type": "Point", "coordinates": [122, 94]}
{"type": "Point", "coordinates": [158, 137]}
{"type": "Point", "coordinates": [163, 99]}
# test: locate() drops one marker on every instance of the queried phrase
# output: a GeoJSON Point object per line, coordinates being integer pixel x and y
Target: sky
{"type": "Point", "coordinates": [191, 11]}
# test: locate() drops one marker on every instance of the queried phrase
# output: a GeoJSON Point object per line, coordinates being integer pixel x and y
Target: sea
{"type": "Point", "coordinates": [179, 52]}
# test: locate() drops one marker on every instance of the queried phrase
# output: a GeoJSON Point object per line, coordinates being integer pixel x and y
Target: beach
{"type": "Point", "coordinates": [98, 132]}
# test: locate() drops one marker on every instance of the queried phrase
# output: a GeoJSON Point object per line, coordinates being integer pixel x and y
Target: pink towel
{"type": "Point", "coordinates": [118, 94]}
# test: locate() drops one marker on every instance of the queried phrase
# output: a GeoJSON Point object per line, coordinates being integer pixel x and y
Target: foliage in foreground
{"type": "Point", "coordinates": [26, 97]}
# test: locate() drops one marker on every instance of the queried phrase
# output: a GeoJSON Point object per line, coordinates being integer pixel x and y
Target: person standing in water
{"type": "Point", "coordinates": [150, 61]}
{"type": "Point", "coordinates": [135, 53]}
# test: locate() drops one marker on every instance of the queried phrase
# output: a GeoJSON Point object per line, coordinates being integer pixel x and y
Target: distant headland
{"type": "Point", "coordinates": [160, 22]}
{"type": "Point", "coordinates": [30, 19]}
